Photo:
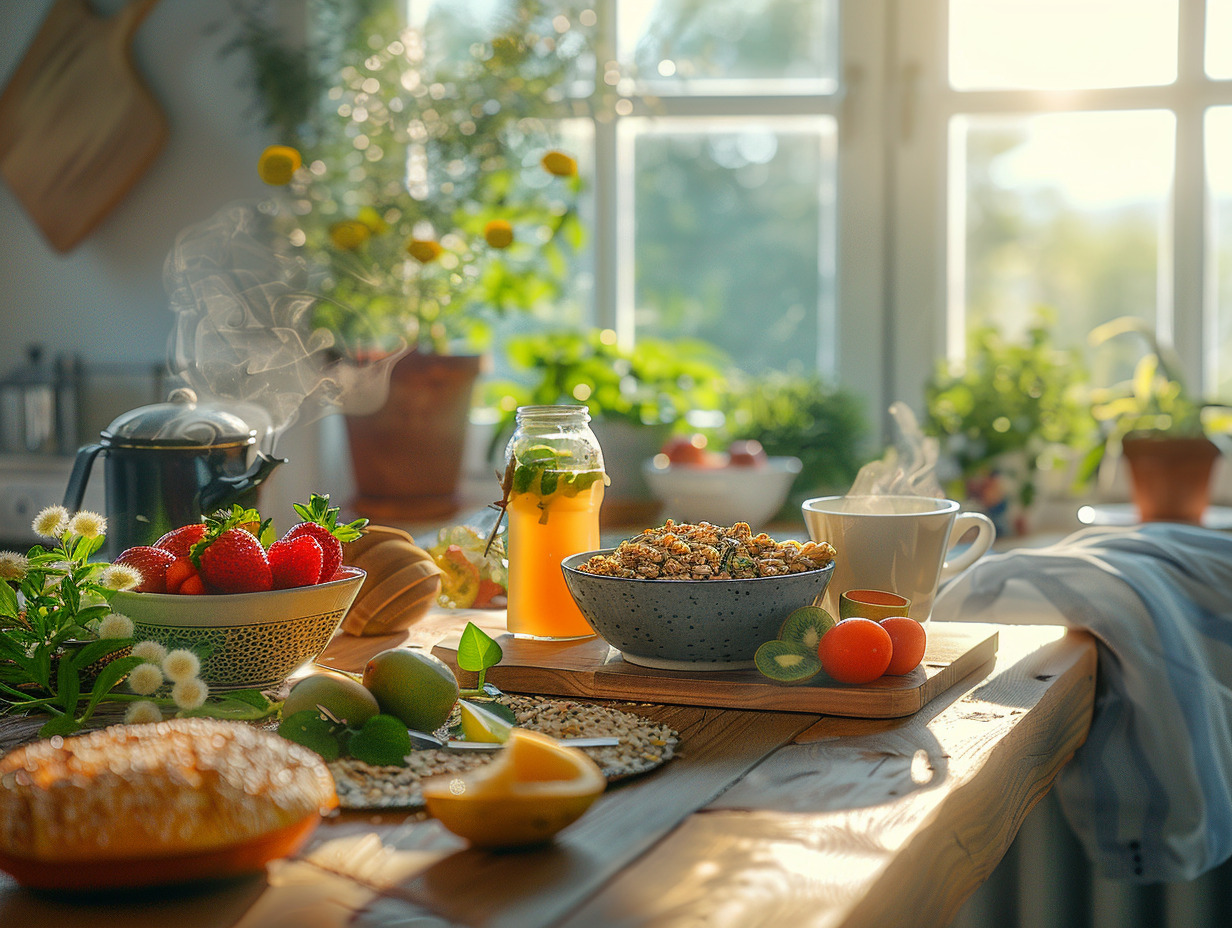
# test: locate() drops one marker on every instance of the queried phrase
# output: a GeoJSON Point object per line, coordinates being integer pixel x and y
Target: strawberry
{"type": "Point", "coordinates": [179, 540]}
{"type": "Point", "coordinates": [151, 563]}
{"type": "Point", "coordinates": [295, 561]}
{"type": "Point", "coordinates": [321, 523]}
{"type": "Point", "coordinates": [230, 559]}
{"type": "Point", "coordinates": [178, 573]}
{"type": "Point", "coordinates": [193, 586]}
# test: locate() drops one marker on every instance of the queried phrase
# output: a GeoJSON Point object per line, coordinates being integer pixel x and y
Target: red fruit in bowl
{"type": "Point", "coordinates": [685, 449]}
{"type": "Point", "coordinates": [321, 523]}
{"type": "Point", "coordinates": [151, 563]}
{"type": "Point", "coordinates": [180, 540]}
{"type": "Point", "coordinates": [181, 570]}
{"type": "Point", "coordinates": [747, 453]}
{"type": "Point", "coordinates": [233, 561]}
{"type": "Point", "coordinates": [295, 561]}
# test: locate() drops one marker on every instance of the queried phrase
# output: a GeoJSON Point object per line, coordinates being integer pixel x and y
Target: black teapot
{"type": "Point", "coordinates": [167, 465]}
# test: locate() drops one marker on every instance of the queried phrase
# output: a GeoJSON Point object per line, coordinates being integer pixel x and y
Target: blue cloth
{"type": "Point", "coordinates": [1150, 792]}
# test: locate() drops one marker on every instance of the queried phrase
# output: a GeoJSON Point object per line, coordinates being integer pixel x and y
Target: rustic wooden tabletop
{"type": "Point", "coordinates": [762, 818]}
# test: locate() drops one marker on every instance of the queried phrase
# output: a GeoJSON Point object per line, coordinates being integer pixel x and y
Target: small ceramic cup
{"type": "Point", "coordinates": [871, 604]}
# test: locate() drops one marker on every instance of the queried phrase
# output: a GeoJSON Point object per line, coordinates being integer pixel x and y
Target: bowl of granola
{"type": "Point", "coordinates": [696, 596]}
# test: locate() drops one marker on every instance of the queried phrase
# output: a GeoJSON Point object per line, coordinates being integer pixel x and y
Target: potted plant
{"type": "Point", "coordinates": [1164, 432]}
{"type": "Point", "coordinates": [636, 395]}
{"type": "Point", "coordinates": [1009, 407]}
{"type": "Point", "coordinates": [798, 414]}
{"type": "Point", "coordinates": [434, 199]}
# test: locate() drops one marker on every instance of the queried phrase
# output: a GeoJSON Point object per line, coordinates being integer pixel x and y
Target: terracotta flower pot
{"type": "Point", "coordinates": [1170, 478]}
{"type": "Point", "coordinates": [407, 457]}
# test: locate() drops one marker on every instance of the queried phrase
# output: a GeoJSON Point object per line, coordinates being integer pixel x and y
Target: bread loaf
{"type": "Point", "coordinates": [141, 792]}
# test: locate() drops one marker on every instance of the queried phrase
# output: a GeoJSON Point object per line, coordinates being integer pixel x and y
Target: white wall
{"type": "Point", "coordinates": [105, 300]}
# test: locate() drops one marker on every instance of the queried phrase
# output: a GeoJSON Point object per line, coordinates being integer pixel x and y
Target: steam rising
{"type": "Point", "coordinates": [908, 469]}
{"type": "Point", "coordinates": [244, 335]}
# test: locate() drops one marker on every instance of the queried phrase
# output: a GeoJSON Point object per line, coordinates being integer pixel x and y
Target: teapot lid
{"type": "Point", "coordinates": [181, 422]}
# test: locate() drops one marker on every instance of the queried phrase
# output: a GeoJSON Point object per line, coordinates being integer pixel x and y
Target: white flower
{"type": "Point", "coordinates": [145, 679]}
{"type": "Point", "coordinates": [88, 524]}
{"type": "Point", "coordinates": [143, 713]}
{"type": "Point", "coordinates": [119, 577]}
{"type": "Point", "coordinates": [13, 565]}
{"type": "Point", "coordinates": [114, 625]}
{"type": "Point", "coordinates": [190, 693]}
{"type": "Point", "coordinates": [150, 651]}
{"type": "Point", "coordinates": [181, 664]}
{"type": "Point", "coordinates": [50, 522]}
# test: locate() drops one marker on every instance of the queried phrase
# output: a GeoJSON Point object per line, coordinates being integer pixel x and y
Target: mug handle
{"type": "Point", "coordinates": [963, 523]}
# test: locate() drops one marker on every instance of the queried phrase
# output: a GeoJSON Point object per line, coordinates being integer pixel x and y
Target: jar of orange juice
{"type": "Point", "coordinates": [554, 486]}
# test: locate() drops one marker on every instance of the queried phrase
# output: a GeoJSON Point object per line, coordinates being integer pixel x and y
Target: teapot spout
{"type": "Point", "coordinates": [221, 492]}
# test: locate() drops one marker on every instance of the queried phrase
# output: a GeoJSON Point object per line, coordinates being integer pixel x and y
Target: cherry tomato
{"type": "Point", "coordinates": [686, 449]}
{"type": "Point", "coordinates": [908, 639]}
{"type": "Point", "coordinates": [855, 651]}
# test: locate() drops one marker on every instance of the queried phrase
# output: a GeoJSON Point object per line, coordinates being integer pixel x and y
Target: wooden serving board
{"type": "Point", "coordinates": [593, 669]}
{"type": "Point", "coordinates": [78, 127]}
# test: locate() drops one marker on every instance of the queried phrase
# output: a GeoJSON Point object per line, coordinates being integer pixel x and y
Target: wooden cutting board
{"type": "Point", "coordinates": [591, 668]}
{"type": "Point", "coordinates": [78, 127]}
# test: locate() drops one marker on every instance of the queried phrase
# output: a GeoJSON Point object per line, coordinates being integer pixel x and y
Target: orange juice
{"type": "Point", "coordinates": [545, 528]}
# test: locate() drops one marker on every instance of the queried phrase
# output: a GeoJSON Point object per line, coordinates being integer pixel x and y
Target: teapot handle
{"type": "Point", "coordinates": [223, 491]}
{"type": "Point", "coordinates": [76, 490]}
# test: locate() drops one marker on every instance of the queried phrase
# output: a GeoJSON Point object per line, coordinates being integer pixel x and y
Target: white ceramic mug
{"type": "Point", "coordinates": [896, 543]}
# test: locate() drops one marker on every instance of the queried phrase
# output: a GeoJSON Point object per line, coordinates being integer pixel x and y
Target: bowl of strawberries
{"type": "Point", "coordinates": [253, 606]}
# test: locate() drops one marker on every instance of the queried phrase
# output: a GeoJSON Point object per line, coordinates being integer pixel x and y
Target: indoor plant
{"type": "Point", "coordinates": [433, 199]}
{"type": "Point", "coordinates": [1162, 430]}
{"type": "Point", "coordinates": [636, 395]}
{"type": "Point", "coordinates": [999, 415]}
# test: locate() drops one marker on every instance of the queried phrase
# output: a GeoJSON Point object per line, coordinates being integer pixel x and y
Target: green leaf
{"type": "Point", "coordinates": [383, 741]}
{"type": "Point", "coordinates": [107, 679]}
{"type": "Point", "coordinates": [96, 650]}
{"type": "Point", "coordinates": [231, 707]}
{"type": "Point", "coordinates": [8, 601]}
{"type": "Point", "coordinates": [68, 685]}
{"type": "Point", "coordinates": [60, 725]}
{"type": "Point", "coordinates": [313, 732]}
{"type": "Point", "coordinates": [476, 650]}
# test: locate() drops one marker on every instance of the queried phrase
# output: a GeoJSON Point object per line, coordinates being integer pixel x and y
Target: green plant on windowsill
{"type": "Point", "coordinates": [1009, 399]}
{"type": "Point", "coordinates": [798, 414]}
{"type": "Point", "coordinates": [1153, 403]}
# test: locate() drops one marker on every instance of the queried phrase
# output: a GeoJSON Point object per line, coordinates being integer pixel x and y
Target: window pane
{"type": "Point", "coordinates": [1055, 211]}
{"type": "Point", "coordinates": [1219, 186]}
{"type": "Point", "coordinates": [1219, 39]}
{"type": "Point", "coordinates": [734, 236]}
{"type": "Point", "coordinates": [682, 45]}
{"type": "Point", "coordinates": [1059, 44]}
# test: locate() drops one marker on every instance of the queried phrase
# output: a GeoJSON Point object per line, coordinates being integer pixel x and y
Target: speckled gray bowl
{"type": "Point", "coordinates": [689, 624]}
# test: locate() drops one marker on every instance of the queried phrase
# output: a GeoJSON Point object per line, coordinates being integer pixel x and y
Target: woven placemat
{"type": "Point", "coordinates": [644, 745]}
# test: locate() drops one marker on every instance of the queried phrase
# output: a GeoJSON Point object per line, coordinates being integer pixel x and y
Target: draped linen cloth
{"type": "Point", "coordinates": [1150, 792]}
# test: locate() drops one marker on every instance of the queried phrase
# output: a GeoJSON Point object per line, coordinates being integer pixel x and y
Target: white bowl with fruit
{"type": "Point", "coordinates": [741, 483]}
{"type": "Point", "coordinates": [252, 614]}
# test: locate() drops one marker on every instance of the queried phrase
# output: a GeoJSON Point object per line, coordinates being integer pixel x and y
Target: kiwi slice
{"type": "Point", "coordinates": [786, 662]}
{"type": "Point", "coordinates": [805, 626]}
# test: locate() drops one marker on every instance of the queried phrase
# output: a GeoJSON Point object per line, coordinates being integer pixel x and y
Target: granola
{"type": "Point", "coordinates": [707, 552]}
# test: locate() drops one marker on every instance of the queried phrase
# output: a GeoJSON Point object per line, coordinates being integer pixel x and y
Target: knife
{"type": "Point", "coordinates": [421, 739]}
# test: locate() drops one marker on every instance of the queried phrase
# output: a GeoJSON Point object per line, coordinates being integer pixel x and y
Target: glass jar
{"type": "Point", "coordinates": [553, 511]}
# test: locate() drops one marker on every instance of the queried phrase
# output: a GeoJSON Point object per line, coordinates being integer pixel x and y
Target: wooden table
{"type": "Point", "coordinates": [763, 818]}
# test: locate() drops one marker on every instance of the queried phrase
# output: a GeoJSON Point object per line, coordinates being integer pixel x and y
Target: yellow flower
{"type": "Point", "coordinates": [278, 164]}
{"type": "Point", "coordinates": [145, 679]}
{"type": "Point", "coordinates": [142, 712]}
{"type": "Point", "coordinates": [560, 164]}
{"type": "Point", "coordinates": [190, 693]}
{"type": "Point", "coordinates": [180, 665]}
{"type": "Point", "coordinates": [119, 577]}
{"type": "Point", "coordinates": [50, 522]}
{"type": "Point", "coordinates": [115, 625]}
{"type": "Point", "coordinates": [87, 524]}
{"type": "Point", "coordinates": [150, 651]}
{"type": "Point", "coordinates": [498, 233]}
{"type": "Point", "coordinates": [349, 234]}
{"type": "Point", "coordinates": [13, 566]}
{"type": "Point", "coordinates": [423, 250]}
{"type": "Point", "coordinates": [372, 219]}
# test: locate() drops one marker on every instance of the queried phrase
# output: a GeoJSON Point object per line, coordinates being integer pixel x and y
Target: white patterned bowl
{"type": "Point", "coordinates": [245, 639]}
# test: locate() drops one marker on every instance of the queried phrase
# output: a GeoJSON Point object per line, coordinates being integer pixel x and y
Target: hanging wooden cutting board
{"type": "Point", "coordinates": [78, 127]}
